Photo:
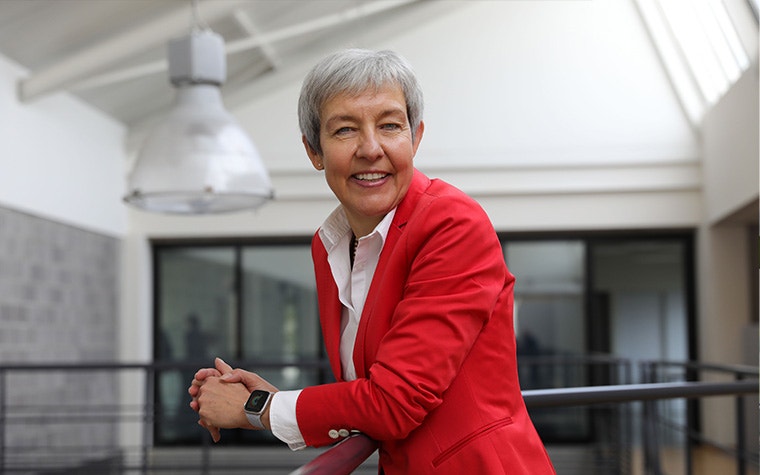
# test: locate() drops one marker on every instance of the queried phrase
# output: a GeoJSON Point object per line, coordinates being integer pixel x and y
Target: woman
{"type": "Point", "coordinates": [415, 299]}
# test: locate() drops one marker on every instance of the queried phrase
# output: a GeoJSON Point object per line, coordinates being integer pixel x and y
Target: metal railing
{"type": "Point", "coordinates": [343, 458]}
{"type": "Point", "coordinates": [684, 423]}
{"type": "Point", "coordinates": [44, 430]}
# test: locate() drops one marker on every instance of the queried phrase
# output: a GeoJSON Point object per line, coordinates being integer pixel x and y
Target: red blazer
{"type": "Point", "coordinates": [437, 382]}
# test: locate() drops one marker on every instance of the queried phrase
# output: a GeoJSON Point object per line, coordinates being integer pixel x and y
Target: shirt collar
{"type": "Point", "coordinates": [336, 227]}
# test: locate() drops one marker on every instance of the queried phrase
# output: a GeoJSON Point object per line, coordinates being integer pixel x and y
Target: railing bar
{"type": "Point", "coordinates": [744, 370]}
{"type": "Point", "coordinates": [534, 398]}
{"type": "Point", "coordinates": [159, 366]}
{"type": "Point", "coordinates": [42, 420]}
{"type": "Point", "coordinates": [633, 392]}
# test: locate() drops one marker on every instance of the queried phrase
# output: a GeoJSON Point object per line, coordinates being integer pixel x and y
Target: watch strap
{"type": "Point", "coordinates": [255, 420]}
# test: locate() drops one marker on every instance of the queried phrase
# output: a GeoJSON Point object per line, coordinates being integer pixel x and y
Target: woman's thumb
{"type": "Point", "coordinates": [221, 366]}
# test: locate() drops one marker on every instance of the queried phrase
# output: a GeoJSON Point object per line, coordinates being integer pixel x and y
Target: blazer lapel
{"type": "Point", "coordinates": [330, 307]}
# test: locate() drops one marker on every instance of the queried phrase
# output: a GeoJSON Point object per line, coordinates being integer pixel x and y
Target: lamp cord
{"type": "Point", "coordinates": [198, 23]}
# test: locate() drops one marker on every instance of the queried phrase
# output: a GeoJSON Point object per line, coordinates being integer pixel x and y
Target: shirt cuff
{"type": "Point", "coordinates": [282, 419]}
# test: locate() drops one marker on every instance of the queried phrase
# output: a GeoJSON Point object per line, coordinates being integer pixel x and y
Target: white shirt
{"type": "Point", "coordinates": [353, 285]}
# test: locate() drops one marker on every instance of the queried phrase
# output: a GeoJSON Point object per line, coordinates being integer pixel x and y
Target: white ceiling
{"type": "Point", "coordinates": [111, 53]}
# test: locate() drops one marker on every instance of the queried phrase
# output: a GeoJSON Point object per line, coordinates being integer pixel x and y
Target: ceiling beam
{"type": "Point", "coordinates": [261, 40]}
{"type": "Point", "coordinates": [92, 60]}
{"type": "Point", "coordinates": [244, 21]}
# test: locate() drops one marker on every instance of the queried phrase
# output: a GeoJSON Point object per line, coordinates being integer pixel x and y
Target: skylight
{"type": "Point", "coordinates": [755, 4]}
{"type": "Point", "coordinates": [699, 46]}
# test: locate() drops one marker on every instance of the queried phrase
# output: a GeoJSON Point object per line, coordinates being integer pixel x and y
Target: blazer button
{"type": "Point", "coordinates": [333, 434]}
{"type": "Point", "coordinates": [343, 432]}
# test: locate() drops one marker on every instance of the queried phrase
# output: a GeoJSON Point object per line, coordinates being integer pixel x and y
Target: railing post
{"type": "Point", "coordinates": [691, 410]}
{"type": "Point", "coordinates": [649, 432]}
{"type": "Point", "coordinates": [150, 416]}
{"type": "Point", "coordinates": [689, 440]}
{"type": "Point", "coordinates": [741, 461]}
{"type": "Point", "coordinates": [206, 453]}
{"type": "Point", "coordinates": [3, 387]}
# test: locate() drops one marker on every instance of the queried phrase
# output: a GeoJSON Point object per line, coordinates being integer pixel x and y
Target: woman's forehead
{"type": "Point", "coordinates": [370, 92]}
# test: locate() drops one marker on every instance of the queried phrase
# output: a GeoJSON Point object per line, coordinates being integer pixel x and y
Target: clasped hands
{"type": "Point", "coordinates": [219, 394]}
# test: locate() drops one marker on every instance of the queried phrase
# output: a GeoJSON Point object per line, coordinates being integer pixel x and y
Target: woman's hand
{"type": "Point", "coordinates": [219, 395]}
{"type": "Point", "coordinates": [220, 405]}
{"type": "Point", "coordinates": [200, 377]}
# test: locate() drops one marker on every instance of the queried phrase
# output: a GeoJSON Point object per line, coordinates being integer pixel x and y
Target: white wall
{"type": "Point", "coordinates": [731, 182]}
{"type": "Point", "coordinates": [64, 161]}
{"type": "Point", "coordinates": [730, 134]}
{"type": "Point", "coordinates": [730, 137]}
{"type": "Point", "coordinates": [60, 159]}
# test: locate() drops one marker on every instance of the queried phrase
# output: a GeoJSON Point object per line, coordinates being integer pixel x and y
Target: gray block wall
{"type": "Point", "coordinates": [59, 300]}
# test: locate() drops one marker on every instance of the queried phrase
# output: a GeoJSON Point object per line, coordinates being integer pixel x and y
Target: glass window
{"type": "Point", "coordinates": [253, 305]}
{"type": "Point", "coordinates": [646, 294]}
{"type": "Point", "coordinates": [624, 298]}
{"type": "Point", "coordinates": [755, 4]}
{"type": "Point", "coordinates": [550, 327]}
{"type": "Point", "coordinates": [549, 299]}
{"type": "Point", "coordinates": [195, 321]}
{"type": "Point", "coordinates": [700, 46]}
{"type": "Point", "coordinates": [280, 321]}
{"type": "Point", "coordinates": [645, 290]}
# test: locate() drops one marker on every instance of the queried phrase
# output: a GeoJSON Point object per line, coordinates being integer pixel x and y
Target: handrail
{"type": "Point", "coordinates": [349, 454]}
{"type": "Point", "coordinates": [341, 459]}
{"type": "Point", "coordinates": [354, 450]}
{"type": "Point", "coordinates": [158, 365]}
{"type": "Point", "coordinates": [580, 396]}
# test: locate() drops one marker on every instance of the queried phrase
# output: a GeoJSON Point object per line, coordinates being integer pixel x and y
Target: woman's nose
{"type": "Point", "coordinates": [369, 146]}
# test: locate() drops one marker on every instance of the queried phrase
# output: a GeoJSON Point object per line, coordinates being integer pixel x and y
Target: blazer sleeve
{"type": "Point", "coordinates": [451, 274]}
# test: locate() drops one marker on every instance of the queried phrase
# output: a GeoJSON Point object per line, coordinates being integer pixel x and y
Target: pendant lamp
{"type": "Point", "coordinates": [198, 160]}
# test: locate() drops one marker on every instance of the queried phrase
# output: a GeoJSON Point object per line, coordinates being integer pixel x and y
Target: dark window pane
{"type": "Point", "coordinates": [280, 321]}
{"type": "Point", "coordinates": [196, 321]}
{"type": "Point", "coordinates": [550, 327]}
{"type": "Point", "coordinates": [252, 304]}
{"type": "Point", "coordinates": [549, 299]}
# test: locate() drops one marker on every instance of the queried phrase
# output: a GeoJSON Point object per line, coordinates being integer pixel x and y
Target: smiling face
{"type": "Point", "coordinates": [367, 153]}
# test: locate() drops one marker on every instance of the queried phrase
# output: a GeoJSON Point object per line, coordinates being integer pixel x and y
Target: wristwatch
{"type": "Point", "coordinates": [255, 406]}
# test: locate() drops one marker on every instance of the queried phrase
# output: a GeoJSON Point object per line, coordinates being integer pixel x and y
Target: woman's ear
{"type": "Point", "coordinates": [316, 158]}
{"type": "Point", "coordinates": [418, 136]}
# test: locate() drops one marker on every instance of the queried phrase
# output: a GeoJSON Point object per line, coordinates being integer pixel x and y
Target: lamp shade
{"type": "Point", "coordinates": [198, 160]}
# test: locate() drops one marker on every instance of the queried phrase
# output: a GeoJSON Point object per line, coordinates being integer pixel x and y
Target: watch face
{"type": "Point", "coordinates": [256, 401]}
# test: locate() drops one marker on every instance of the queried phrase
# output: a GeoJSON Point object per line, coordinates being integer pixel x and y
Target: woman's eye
{"type": "Point", "coordinates": [343, 130]}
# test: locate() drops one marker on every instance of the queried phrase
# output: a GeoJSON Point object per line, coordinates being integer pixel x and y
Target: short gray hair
{"type": "Point", "coordinates": [353, 71]}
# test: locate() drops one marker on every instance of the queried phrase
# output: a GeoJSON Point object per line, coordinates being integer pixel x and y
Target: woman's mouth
{"type": "Point", "coordinates": [370, 176]}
